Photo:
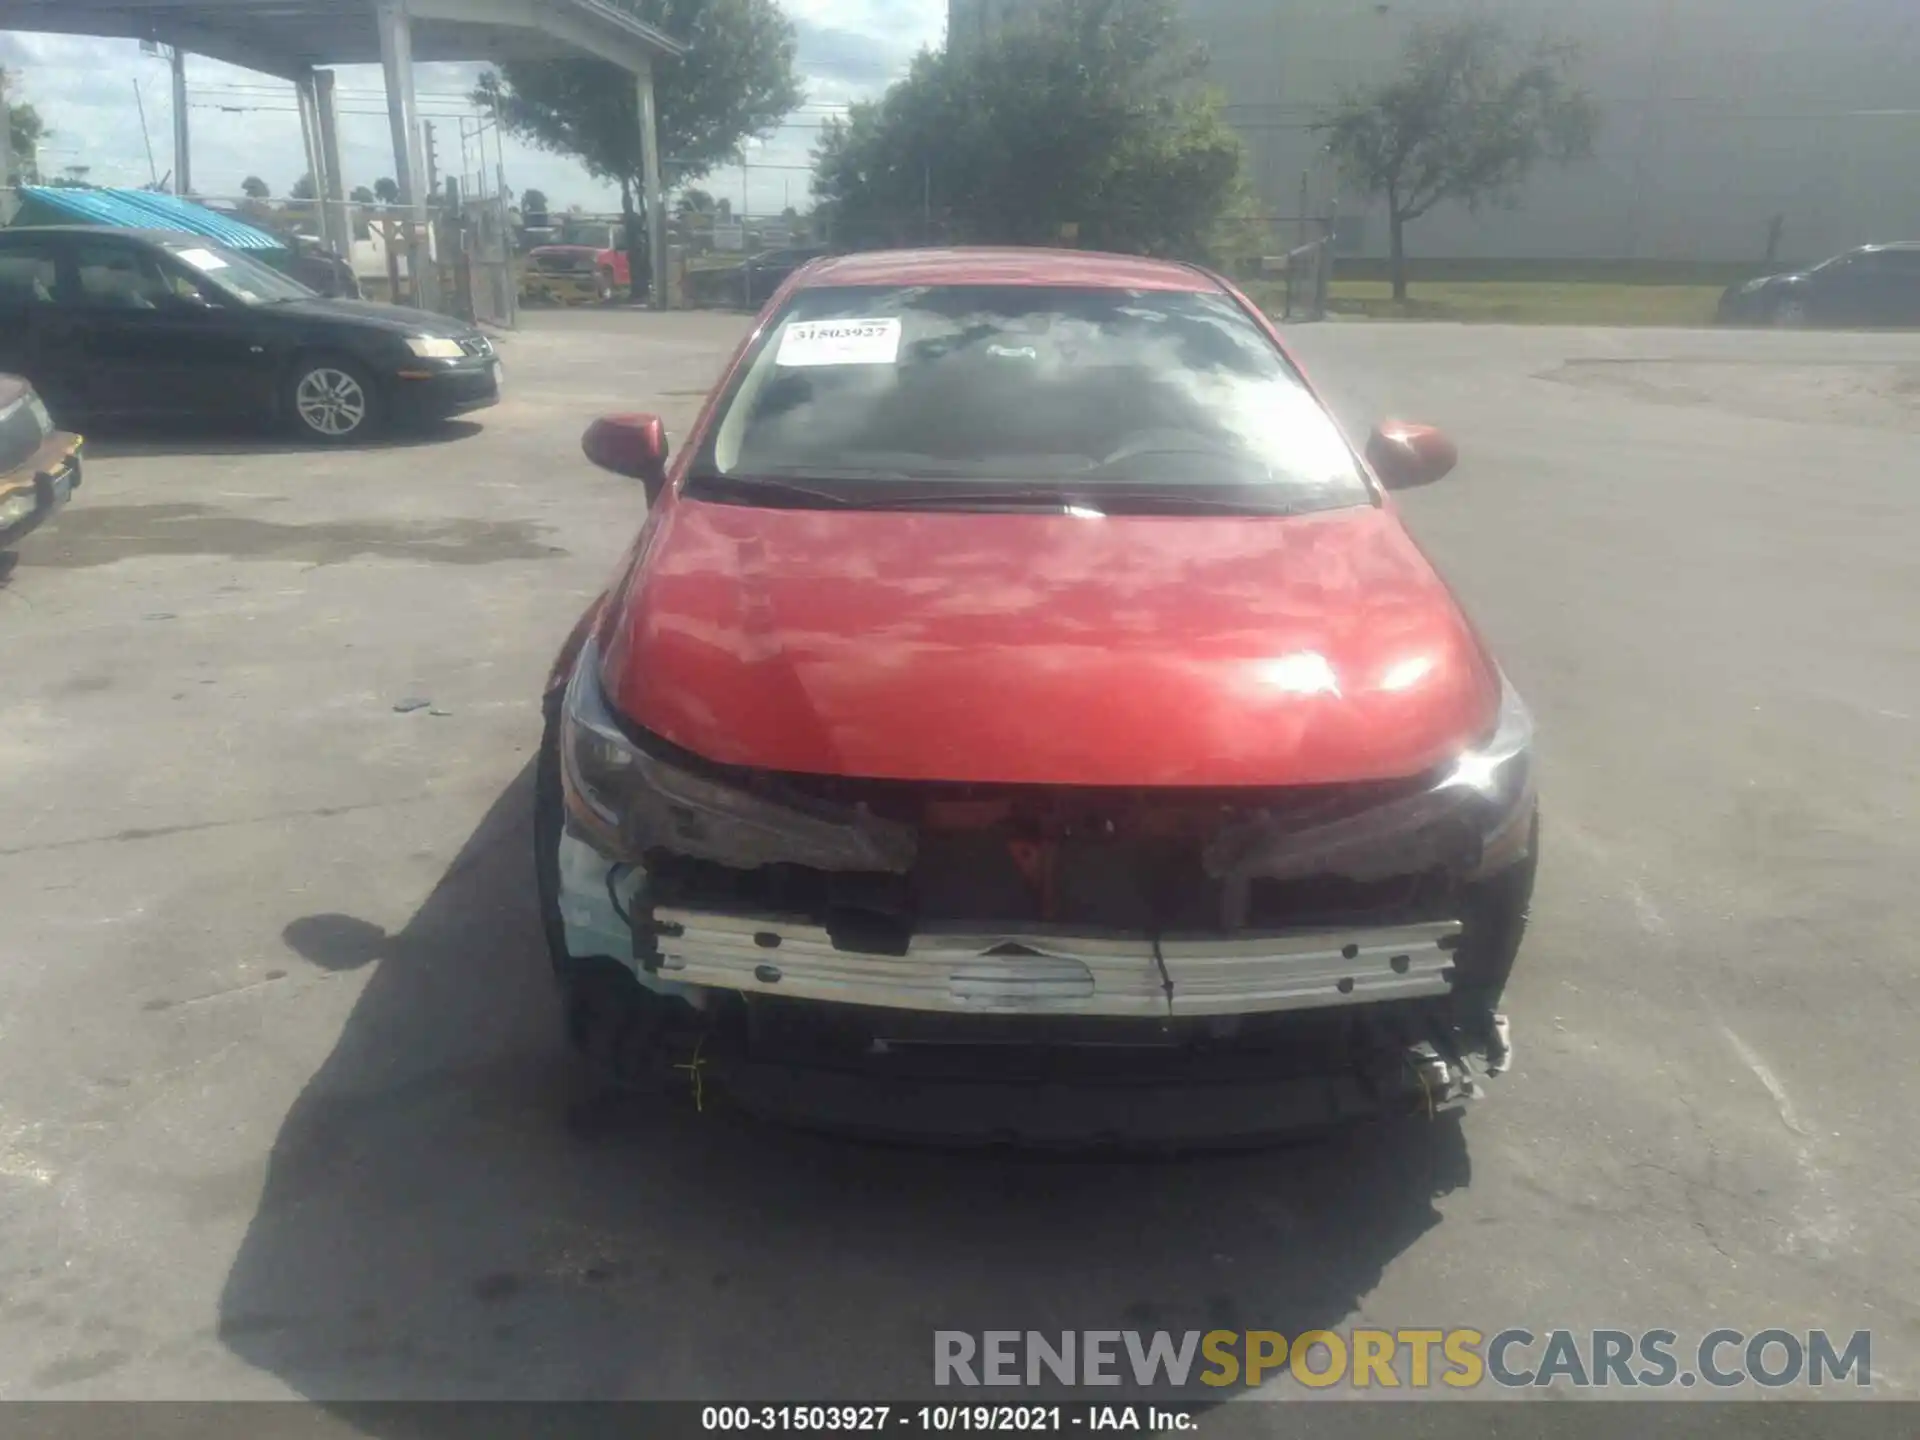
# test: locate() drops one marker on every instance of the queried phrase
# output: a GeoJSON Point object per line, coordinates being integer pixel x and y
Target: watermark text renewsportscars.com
{"type": "Point", "coordinates": [1417, 1359]}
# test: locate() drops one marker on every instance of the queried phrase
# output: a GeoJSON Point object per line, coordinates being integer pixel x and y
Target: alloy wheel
{"type": "Point", "coordinates": [331, 402]}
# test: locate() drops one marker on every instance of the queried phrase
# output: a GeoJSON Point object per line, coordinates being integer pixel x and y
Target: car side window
{"type": "Point", "coordinates": [119, 277]}
{"type": "Point", "coordinates": [183, 286]}
{"type": "Point", "coordinates": [29, 275]}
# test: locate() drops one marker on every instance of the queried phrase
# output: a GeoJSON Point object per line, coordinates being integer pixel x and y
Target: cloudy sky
{"type": "Point", "coordinates": [90, 92]}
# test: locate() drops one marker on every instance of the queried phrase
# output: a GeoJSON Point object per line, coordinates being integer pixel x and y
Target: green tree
{"type": "Point", "coordinates": [1466, 120]}
{"type": "Point", "coordinates": [736, 80]}
{"type": "Point", "coordinates": [387, 191]}
{"type": "Point", "coordinates": [1087, 123]}
{"type": "Point", "coordinates": [254, 188]}
{"type": "Point", "coordinates": [28, 131]}
{"type": "Point", "coordinates": [304, 189]}
{"type": "Point", "coordinates": [362, 195]}
{"type": "Point", "coordinates": [533, 202]}
{"type": "Point", "coordinates": [694, 201]}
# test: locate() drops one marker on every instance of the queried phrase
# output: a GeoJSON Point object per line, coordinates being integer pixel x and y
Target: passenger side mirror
{"type": "Point", "coordinates": [1405, 456]}
{"type": "Point", "coordinates": [630, 445]}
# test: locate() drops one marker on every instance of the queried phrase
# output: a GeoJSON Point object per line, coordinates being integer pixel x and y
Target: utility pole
{"type": "Point", "coordinates": [433, 159]}
{"type": "Point", "coordinates": [182, 135]}
{"type": "Point", "coordinates": [153, 170]}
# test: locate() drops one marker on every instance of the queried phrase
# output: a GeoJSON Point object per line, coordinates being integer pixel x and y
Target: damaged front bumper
{"type": "Point", "coordinates": [718, 905]}
{"type": "Point", "coordinates": [1028, 972]}
{"type": "Point", "coordinates": [1029, 1039]}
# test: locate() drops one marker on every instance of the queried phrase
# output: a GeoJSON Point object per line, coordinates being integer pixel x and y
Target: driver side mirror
{"type": "Point", "coordinates": [630, 445]}
{"type": "Point", "coordinates": [1406, 456]}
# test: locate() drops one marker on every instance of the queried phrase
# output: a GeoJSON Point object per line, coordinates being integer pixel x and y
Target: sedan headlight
{"type": "Point", "coordinates": [1500, 770]}
{"type": "Point", "coordinates": [638, 801]}
{"type": "Point", "coordinates": [1498, 774]}
{"type": "Point", "coordinates": [434, 347]}
{"type": "Point", "coordinates": [1477, 818]}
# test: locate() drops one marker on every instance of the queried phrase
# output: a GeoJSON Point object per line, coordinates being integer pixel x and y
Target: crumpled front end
{"type": "Point", "coordinates": [1332, 949]}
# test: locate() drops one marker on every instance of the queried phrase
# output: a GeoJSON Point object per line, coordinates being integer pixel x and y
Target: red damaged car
{"type": "Point", "coordinates": [1024, 717]}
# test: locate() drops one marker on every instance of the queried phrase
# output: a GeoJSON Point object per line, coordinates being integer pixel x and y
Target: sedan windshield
{"type": "Point", "coordinates": [245, 279]}
{"type": "Point", "coordinates": [970, 394]}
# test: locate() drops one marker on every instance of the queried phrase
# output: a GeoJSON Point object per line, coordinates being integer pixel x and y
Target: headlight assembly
{"type": "Point", "coordinates": [638, 801]}
{"type": "Point", "coordinates": [1500, 770]}
{"type": "Point", "coordinates": [1499, 775]}
{"type": "Point", "coordinates": [434, 347]}
{"type": "Point", "coordinates": [1475, 819]}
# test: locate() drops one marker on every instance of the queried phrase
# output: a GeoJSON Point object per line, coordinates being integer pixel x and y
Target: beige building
{"type": "Point", "coordinates": [1719, 116]}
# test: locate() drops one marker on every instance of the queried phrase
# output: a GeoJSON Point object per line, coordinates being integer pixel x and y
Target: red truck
{"type": "Point", "coordinates": [586, 262]}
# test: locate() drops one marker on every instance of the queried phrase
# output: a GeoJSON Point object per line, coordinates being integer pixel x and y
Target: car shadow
{"type": "Point", "coordinates": [123, 440]}
{"type": "Point", "coordinates": [449, 1213]}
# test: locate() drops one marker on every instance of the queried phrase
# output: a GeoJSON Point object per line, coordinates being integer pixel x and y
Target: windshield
{"type": "Point", "coordinates": [1071, 391]}
{"type": "Point", "coordinates": [597, 234]}
{"type": "Point", "coordinates": [245, 279]}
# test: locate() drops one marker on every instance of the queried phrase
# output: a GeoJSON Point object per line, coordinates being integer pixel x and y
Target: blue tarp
{"type": "Point", "coordinates": [137, 210]}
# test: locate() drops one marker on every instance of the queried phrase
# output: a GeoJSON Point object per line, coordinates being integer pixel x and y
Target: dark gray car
{"type": "Point", "coordinates": [135, 324]}
{"type": "Point", "coordinates": [1876, 285]}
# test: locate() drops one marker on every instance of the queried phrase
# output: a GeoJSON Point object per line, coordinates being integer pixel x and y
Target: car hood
{"type": "Point", "coordinates": [399, 319]}
{"type": "Point", "coordinates": [1047, 649]}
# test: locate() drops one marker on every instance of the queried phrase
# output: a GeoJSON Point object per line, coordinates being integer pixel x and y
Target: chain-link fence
{"type": "Point", "coordinates": [482, 273]}
{"type": "Point", "coordinates": [1283, 262]}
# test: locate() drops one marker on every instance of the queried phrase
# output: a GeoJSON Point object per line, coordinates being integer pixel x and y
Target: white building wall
{"type": "Point", "coordinates": [1718, 115]}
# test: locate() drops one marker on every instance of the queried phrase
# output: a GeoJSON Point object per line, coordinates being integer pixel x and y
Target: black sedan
{"type": "Point", "coordinates": [1877, 285]}
{"type": "Point", "coordinates": [768, 271]}
{"type": "Point", "coordinates": [132, 324]}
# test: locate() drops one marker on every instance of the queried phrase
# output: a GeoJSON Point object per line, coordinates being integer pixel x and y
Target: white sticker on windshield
{"type": "Point", "coordinates": [840, 342]}
{"type": "Point", "coordinates": [201, 259]}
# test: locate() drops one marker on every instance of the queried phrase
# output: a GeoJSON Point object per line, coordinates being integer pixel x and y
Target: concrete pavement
{"type": "Point", "coordinates": [283, 1104]}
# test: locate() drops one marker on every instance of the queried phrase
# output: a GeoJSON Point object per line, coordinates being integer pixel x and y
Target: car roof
{"type": "Point", "coordinates": [1008, 265]}
{"type": "Point", "coordinates": [1890, 245]}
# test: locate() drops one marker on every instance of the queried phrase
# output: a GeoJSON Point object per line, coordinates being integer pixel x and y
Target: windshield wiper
{"type": "Point", "coordinates": [712, 485]}
{"type": "Point", "coordinates": [1115, 501]}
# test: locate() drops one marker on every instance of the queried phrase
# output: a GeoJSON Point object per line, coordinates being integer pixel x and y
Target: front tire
{"type": "Point", "coordinates": [1790, 312]}
{"type": "Point", "coordinates": [332, 401]}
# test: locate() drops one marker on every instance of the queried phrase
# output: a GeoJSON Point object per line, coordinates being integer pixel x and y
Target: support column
{"type": "Point", "coordinates": [655, 199]}
{"type": "Point", "coordinates": [333, 190]}
{"type": "Point", "coordinates": [182, 129]}
{"type": "Point", "coordinates": [7, 198]}
{"type": "Point", "coordinates": [306, 100]}
{"type": "Point", "coordinates": [409, 155]}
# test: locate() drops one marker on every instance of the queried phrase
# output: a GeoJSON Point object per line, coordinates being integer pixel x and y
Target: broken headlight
{"type": "Point", "coordinates": [638, 800]}
{"type": "Point", "coordinates": [1498, 775]}
{"type": "Point", "coordinates": [1477, 818]}
{"type": "Point", "coordinates": [1500, 769]}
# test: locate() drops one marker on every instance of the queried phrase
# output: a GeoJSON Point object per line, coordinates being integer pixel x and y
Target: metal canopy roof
{"type": "Point", "coordinates": [290, 37]}
{"type": "Point", "coordinates": [144, 210]}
